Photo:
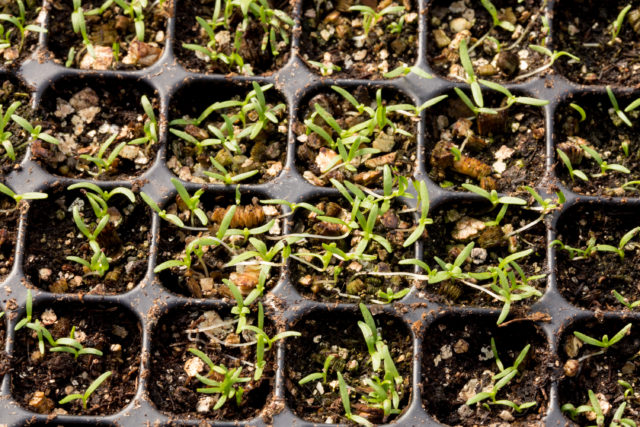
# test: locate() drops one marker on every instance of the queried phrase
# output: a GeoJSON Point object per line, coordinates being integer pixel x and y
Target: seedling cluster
{"type": "Point", "coordinates": [15, 27]}
{"type": "Point", "coordinates": [64, 344]}
{"type": "Point", "coordinates": [385, 383]}
{"type": "Point", "coordinates": [232, 136]}
{"type": "Point", "coordinates": [274, 24]}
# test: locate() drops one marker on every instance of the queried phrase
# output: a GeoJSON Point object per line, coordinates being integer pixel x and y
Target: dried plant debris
{"type": "Point", "coordinates": [606, 36]}
{"type": "Point", "coordinates": [501, 150]}
{"type": "Point", "coordinates": [500, 36]}
{"type": "Point", "coordinates": [203, 261]}
{"type": "Point", "coordinates": [477, 374]}
{"type": "Point", "coordinates": [110, 35]}
{"type": "Point", "coordinates": [227, 36]}
{"type": "Point", "coordinates": [100, 134]}
{"type": "Point", "coordinates": [359, 39]}
{"type": "Point", "coordinates": [353, 134]}
{"type": "Point", "coordinates": [66, 352]}
{"type": "Point", "coordinates": [332, 263]}
{"type": "Point", "coordinates": [242, 138]}
{"type": "Point", "coordinates": [97, 247]}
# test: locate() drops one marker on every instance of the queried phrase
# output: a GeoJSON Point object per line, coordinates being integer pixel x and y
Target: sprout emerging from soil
{"type": "Point", "coordinates": [20, 23]}
{"type": "Point", "coordinates": [87, 394]}
{"type": "Point", "coordinates": [24, 196]}
{"type": "Point", "coordinates": [503, 378]}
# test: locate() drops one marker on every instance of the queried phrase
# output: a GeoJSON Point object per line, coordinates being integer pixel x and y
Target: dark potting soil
{"type": "Point", "coordinates": [342, 338]}
{"type": "Point", "coordinates": [39, 382]}
{"type": "Point", "coordinates": [458, 363]}
{"type": "Point", "coordinates": [52, 236]}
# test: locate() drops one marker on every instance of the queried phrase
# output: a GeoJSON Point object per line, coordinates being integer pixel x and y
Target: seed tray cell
{"type": "Point", "coordinates": [423, 316]}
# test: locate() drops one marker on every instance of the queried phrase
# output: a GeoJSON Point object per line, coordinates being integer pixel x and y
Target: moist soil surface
{"type": "Point", "coordinates": [455, 226]}
{"type": "Point", "coordinates": [342, 338]}
{"type": "Point", "coordinates": [13, 56]}
{"type": "Point", "coordinates": [600, 373]}
{"type": "Point", "coordinates": [11, 92]}
{"type": "Point", "coordinates": [315, 156]}
{"type": "Point", "coordinates": [329, 29]}
{"type": "Point", "coordinates": [451, 22]}
{"type": "Point", "coordinates": [82, 119]}
{"type": "Point", "coordinates": [196, 282]}
{"type": "Point", "coordinates": [175, 393]}
{"type": "Point", "coordinates": [9, 217]}
{"type": "Point", "coordinates": [52, 236]}
{"type": "Point", "coordinates": [503, 151]}
{"type": "Point", "coordinates": [603, 131]}
{"type": "Point", "coordinates": [458, 363]}
{"type": "Point", "coordinates": [113, 26]}
{"type": "Point", "coordinates": [589, 282]}
{"type": "Point", "coordinates": [189, 31]}
{"type": "Point", "coordinates": [56, 374]}
{"type": "Point", "coordinates": [265, 153]}
{"type": "Point", "coordinates": [588, 36]}
{"type": "Point", "coordinates": [349, 285]}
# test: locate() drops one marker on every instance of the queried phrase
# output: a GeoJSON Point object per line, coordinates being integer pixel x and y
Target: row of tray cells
{"type": "Point", "coordinates": [458, 353]}
{"type": "Point", "coordinates": [325, 257]}
{"type": "Point", "coordinates": [507, 41]}
{"type": "Point", "coordinates": [351, 133]}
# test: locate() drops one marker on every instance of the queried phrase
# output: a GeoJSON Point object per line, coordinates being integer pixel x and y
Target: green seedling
{"type": "Point", "coordinates": [628, 389]}
{"type": "Point", "coordinates": [618, 421]}
{"type": "Point", "coordinates": [192, 202]}
{"type": "Point", "coordinates": [28, 312]}
{"type": "Point", "coordinates": [104, 164]}
{"type": "Point", "coordinates": [616, 26]}
{"type": "Point", "coordinates": [505, 25]}
{"type": "Point", "coordinates": [150, 125]}
{"type": "Point", "coordinates": [405, 70]}
{"type": "Point", "coordinates": [495, 200]}
{"type": "Point", "coordinates": [99, 262]}
{"type": "Point", "coordinates": [263, 339]}
{"type": "Point", "coordinates": [99, 198]}
{"type": "Point", "coordinates": [624, 241]}
{"type": "Point", "coordinates": [319, 375]}
{"type": "Point", "coordinates": [135, 10]}
{"type": "Point", "coordinates": [5, 137]}
{"type": "Point", "coordinates": [162, 213]}
{"type": "Point", "coordinates": [423, 201]}
{"type": "Point", "coordinates": [624, 301]}
{"type": "Point", "coordinates": [389, 296]}
{"type": "Point", "coordinates": [511, 99]}
{"type": "Point", "coordinates": [65, 344]}
{"type": "Point", "coordinates": [85, 397]}
{"type": "Point", "coordinates": [503, 378]}
{"type": "Point", "coordinates": [472, 80]}
{"type": "Point", "coordinates": [226, 389]}
{"type": "Point", "coordinates": [370, 17]}
{"type": "Point", "coordinates": [605, 342]}
{"type": "Point", "coordinates": [293, 206]}
{"type": "Point", "coordinates": [577, 253]}
{"type": "Point", "coordinates": [24, 196]}
{"type": "Point", "coordinates": [553, 57]}
{"type": "Point", "coordinates": [35, 132]}
{"type": "Point", "coordinates": [580, 110]}
{"type": "Point", "coordinates": [593, 407]}
{"type": "Point", "coordinates": [20, 23]}
{"type": "Point", "coordinates": [572, 172]}
{"type": "Point", "coordinates": [604, 166]}
{"type": "Point", "coordinates": [344, 396]}
{"type": "Point", "coordinates": [227, 177]}
{"type": "Point", "coordinates": [616, 107]}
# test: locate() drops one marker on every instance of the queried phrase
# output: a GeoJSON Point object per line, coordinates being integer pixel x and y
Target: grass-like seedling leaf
{"type": "Point", "coordinates": [28, 312]}
{"type": "Point", "coordinates": [162, 213]}
{"type": "Point", "coordinates": [616, 26]}
{"type": "Point", "coordinates": [616, 107]}
{"type": "Point", "coordinates": [344, 396]}
{"type": "Point", "coordinates": [622, 300]}
{"type": "Point", "coordinates": [85, 397]}
{"type": "Point", "coordinates": [605, 342]}
{"type": "Point", "coordinates": [580, 110]}
{"type": "Point", "coordinates": [24, 196]}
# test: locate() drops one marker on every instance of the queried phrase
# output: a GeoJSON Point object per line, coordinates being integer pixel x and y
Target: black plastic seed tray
{"type": "Point", "coordinates": [149, 301]}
